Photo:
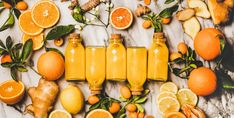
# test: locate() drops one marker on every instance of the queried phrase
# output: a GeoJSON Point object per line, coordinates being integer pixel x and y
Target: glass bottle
{"type": "Point", "coordinates": [75, 58]}
{"type": "Point", "coordinates": [116, 59]}
{"type": "Point", "coordinates": [136, 68]}
{"type": "Point", "coordinates": [95, 68]}
{"type": "Point", "coordinates": [158, 58]}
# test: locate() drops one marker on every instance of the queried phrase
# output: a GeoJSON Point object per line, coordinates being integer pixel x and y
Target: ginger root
{"type": "Point", "coordinates": [220, 10]}
{"type": "Point", "coordinates": [43, 96]}
{"type": "Point", "coordinates": [142, 10]}
{"type": "Point", "coordinates": [90, 5]}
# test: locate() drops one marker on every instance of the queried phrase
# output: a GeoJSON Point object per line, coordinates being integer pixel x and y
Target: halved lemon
{"type": "Point", "coordinates": [168, 104]}
{"type": "Point", "coordinates": [45, 14]}
{"type": "Point", "coordinates": [99, 113]}
{"type": "Point", "coordinates": [27, 25]}
{"type": "Point", "coordinates": [165, 94]}
{"type": "Point", "coordinates": [11, 91]}
{"type": "Point", "coordinates": [169, 87]}
{"type": "Point", "coordinates": [174, 115]}
{"type": "Point", "coordinates": [121, 18]}
{"type": "Point", "coordinates": [186, 96]}
{"type": "Point", "coordinates": [60, 114]}
{"type": "Point", "coordinates": [38, 40]}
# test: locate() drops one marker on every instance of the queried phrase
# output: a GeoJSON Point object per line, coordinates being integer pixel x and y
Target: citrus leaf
{"type": "Point", "coordinates": [1, 51]}
{"type": "Point", "coordinates": [56, 50]}
{"type": "Point", "coordinates": [167, 13]}
{"type": "Point", "coordinates": [8, 23]}
{"type": "Point", "coordinates": [14, 74]}
{"type": "Point", "coordinates": [142, 100]}
{"type": "Point", "coordinates": [2, 45]}
{"type": "Point", "coordinates": [1, 10]}
{"type": "Point", "coordinates": [222, 42]}
{"type": "Point", "coordinates": [168, 1]}
{"type": "Point", "coordinates": [146, 92]}
{"type": "Point", "coordinates": [227, 82]}
{"type": "Point", "coordinates": [17, 13]}
{"type": "Point", "coordinates": [140, 108]}
{"type": "Point", "coordinates": [27, 50]}
{"type": "Point", "coordinates": [59, 31]}
{"type": "Point", "coordinates": [1, 4]}
{"type": "Point", "coordinates": [123, 115]}
{"type": "Point", "coordinates": [9, 43]}
{"type": "Point", "coordinates": [7, 65]}
{"type": "Point", "coordinates": [22, 69]}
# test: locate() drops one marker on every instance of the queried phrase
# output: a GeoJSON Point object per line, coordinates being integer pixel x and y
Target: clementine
{"type": "Point", "coordinates": [202, 81]}
{"type": "Point", "coordinates": [6, 58]}
{"type": "Point", "coordinates": [207, 43]}
{"type": "Point", "coordinates": [182, 47]}
{"type": "Point", "coordinates": [51, 65]}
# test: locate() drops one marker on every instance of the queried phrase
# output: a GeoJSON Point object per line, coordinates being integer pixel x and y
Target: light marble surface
{"type": "Point", "coordinates": [216, 106]}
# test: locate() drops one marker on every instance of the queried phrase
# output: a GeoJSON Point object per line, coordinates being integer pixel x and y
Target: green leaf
{"type": "Point", "coordinates": [142, 100]}
{"type": "Point", "coordinates": [193, 65]}
{"type": "Point", "coordinates": [168, 1]}
{"type": "Point", "coordinates": [8, 23]}
{"type": "Point", "coordinates": [227, 82]}
{"type": "Point", "coordinates": [1, 4]}
{"type": "Point", "coordinates": [22, 69]}
{"type": "Point", "coordinates": [59, 31]}
{"type": "Point", "coordinates": [17, 13]}
{"type": "Point", "coordinates": [2, 45]}
{"type": "Point", "coordinates": [27, 50]}
{"type": "Point", "coordinates": [122, 115]}
{"type": "Point", "coordinates": [14, 74]}
{"type": "Point", "coordinates": [7, 65]}
{"type": "Point", "coordinates": [140, 108]}
{"type": "Point", "coordinates": [222, 42]}
{"type": "Point", "coordinates": [167, 13]}
{"type": "Point", "coordinates": [1, 10]}
{"type": "Point", "coordinates": [95, 106]}
{"type": "Point", "coordinates": [78, 14]}
{"type": "Point", "coordinates": [9, 42]}
{"type": "Point", "coordinates": [146, 92]}
{"type": "Point", "coordinates": [56, 50]}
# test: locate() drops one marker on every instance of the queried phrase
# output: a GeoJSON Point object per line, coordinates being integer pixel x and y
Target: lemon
{"type": "Point", "coordinates": [169, 87]}
{"type": "Point", "coordinates": [186, 96]}
{"type": "Point", "coordinates": [165, 94]}
{"type": "Point", "coordinates": [60, 114]}
{"type": "Point", "coordinates": [168, 104]}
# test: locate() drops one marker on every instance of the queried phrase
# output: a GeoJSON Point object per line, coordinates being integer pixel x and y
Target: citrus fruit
{"type": "Point", "coordinates": [165, 94]}
{"type": "Point", "coordinates": [21, 5]}
{"type": "Point", "coordinates": [166, 20]}
{"type": "Point", "coordinates": [27, 25]}
{"type": "Point", "coordinates": [114, 107]}
{"type": "Point", "coordinates": [7, 5]}
{"type": "Point", "coordinates": [131, 107]}
{"type": "Point", "coordinates": [125, 92]}
{"type": "Point", "coordinates": [175, 55]}
{"type": "Point", "coordinates": [182, 48]}
{"type": "Point", "coordinates": [207, 43]}
{"type": "Point", "coordinates": [58, 42]}
{"type": "Point", "coordinates": [11, 91]}
{"type": "Point", "coordinates": [169, 87]}
{"type": "Point", "coordinates": [93, 99]}
{"type": "Point", "coordinates": [121, 18]}
{"type": "Point", "coordinates": [141, 115]}
{"type": "Point", "coordinates": [60, 114]}
{"type": "Point", "coordinates": [99, 113]}
{"type": "Point", "coordinates": [45, 14]}
{"type": "Point", "coordinates": [6, 58]}
{"type": "Point", "coordinates": [51, 65]}
{"type": "Point", "coordinates": [186, 96]}
{"type": "Point", "coordinates": [202, 81]}
{"type": "Point", "coordinates": [174, 115]}
{"type": "Point", "coordinates": [168, 104]}
{"type": "Point", "coordinates": [38, 40]}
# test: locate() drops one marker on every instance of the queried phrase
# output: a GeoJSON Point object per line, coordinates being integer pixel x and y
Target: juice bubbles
{"type": "Point", "coordinates": [158, 58]}
{"type": "Point", "coordinates": [75, 58]}
{"type": "Point", "coordinates": [116, 59]}
{"type": "Point", "coordinates": [95, 68]}
{"type": "Point", "coordinates": [136, 68]}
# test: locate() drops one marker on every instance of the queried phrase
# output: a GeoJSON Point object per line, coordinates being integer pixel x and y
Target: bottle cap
{"type": "Point", "coordinates": [159, 35]}
{"type": "Point", "coordinates": [115, 36]}
{"type": "Point", "coordinates": [74, 35]}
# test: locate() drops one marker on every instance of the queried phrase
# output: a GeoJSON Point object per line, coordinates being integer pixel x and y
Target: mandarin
{"type": "Point", "coordinates": [6, 58]}
{"type": "Point", "coordinates": [182, 47]}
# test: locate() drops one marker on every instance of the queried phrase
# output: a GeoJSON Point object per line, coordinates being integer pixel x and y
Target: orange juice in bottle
{"type": "Point", "coordinates": [116, 59]}
{"type": "Point", "coordinates": [158, 58]}
{"type": "Point", "coordinates": [136, 68]}
{"type": "Point", "coordinates": [95, 67]}
{"type": "Point", "coordinates": [75, 58]}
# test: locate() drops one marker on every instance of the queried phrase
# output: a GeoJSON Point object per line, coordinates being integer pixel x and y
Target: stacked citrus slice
{"type": "Point", "coordinates": [169, 100]}
{"type": "Point", "coordinates": [44, 14]}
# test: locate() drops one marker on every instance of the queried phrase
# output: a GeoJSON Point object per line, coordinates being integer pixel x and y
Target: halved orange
{"type": "Point", "coordinates": [121, 18]}
{"type": "Point", "coordinates": [45, 14]}
{"type": "Point", "coordinates": [11, 91]}
{"type": "Point", "coordinates": [27, 25]}
{"type": "Point", "coordinates": [60, 114]}
{"type": "Point", "coordinates": [38, 40]}
{"type": "Point", "coordinates": [99, 113]}
{"type": "Point", "coordinates": [174, 115]}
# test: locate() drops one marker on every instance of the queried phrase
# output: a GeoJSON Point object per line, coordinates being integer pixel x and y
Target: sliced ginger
{"type": "Point", "coordinates": [185, 14]}
{"type": "Point", "coordinates": [200, 8]}
{"type": "Point", "coordinates": [192, 27]}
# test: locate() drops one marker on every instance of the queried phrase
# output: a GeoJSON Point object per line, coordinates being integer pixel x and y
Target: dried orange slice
{"type": "Point", "coordinates": [11, 91]}
{"type": "Point", "coordinates": [45, 14]}
{"type": "Point", "coordinates": [27, 25]}
{"type": "Point", "coordinates": [38, 40]}
{"type": "Point", "coordinates": [121, 18]}
{"type": "Point", "coordinates": [99, 113]}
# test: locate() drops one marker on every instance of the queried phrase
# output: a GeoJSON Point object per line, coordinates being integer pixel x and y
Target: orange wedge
{"type": "Point", "coordinates": [11, 91]}
{"type": "Point", "coordinates": [121, 18]}
{"type": "Point", "coordinates": [45, 14]}
{"type": "Point", "coordinates": [38, 40]}
{"type": "Point", "coordinates": [99, 113]}
{"type": "Point", "coordinates": [27, 25]}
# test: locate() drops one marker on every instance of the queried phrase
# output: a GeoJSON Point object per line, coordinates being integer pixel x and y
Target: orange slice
{"type": "Point", "coordinates": [174, 115]}
{"type": "Point", "coordinates": [99, 113]}
{"type": "Point", "coordinates": [11, 91]}
{"type": "Point", "coordinates": [45, 14]}
{"type": "Point", "coordinates": [60, 114]}
{"type": "Point", "coordinates": [27, 25]}
{"type": "Point", "coordinates": [121, 18]}
{"type": "Point", "coordinates": [38, 40]}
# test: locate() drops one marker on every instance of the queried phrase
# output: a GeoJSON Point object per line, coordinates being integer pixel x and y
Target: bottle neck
{"type": "Point", "coordinates": [115, 40]}
{"type": "Point", "coordinates": [74, 40]}
{"type": "Point", "coordinates": [159, 38]}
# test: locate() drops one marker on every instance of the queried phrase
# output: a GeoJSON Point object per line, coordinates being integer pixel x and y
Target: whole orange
{"type": "Point", "coordinates": [51, 65]}
{"type": "Point", "coordinates": [202, 81]}
{"type": "Point", "coordinates": [6, 58]}
{"type": "Point", "coordinates": [114, 108]}
{"type": "Point", "coordinates": [207, 43]}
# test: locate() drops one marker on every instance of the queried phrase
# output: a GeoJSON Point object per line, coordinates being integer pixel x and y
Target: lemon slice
{"type": "Point", "coordinates": [169, 87]}
{"type": "Point", "coordinates": [186, 96]}
{"type": "Point", "coordinates": [60, 114]}
{"type": "Point", "coordinates": [165, 94]}
{"type": "Point", "coordinates": [168, 104]}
